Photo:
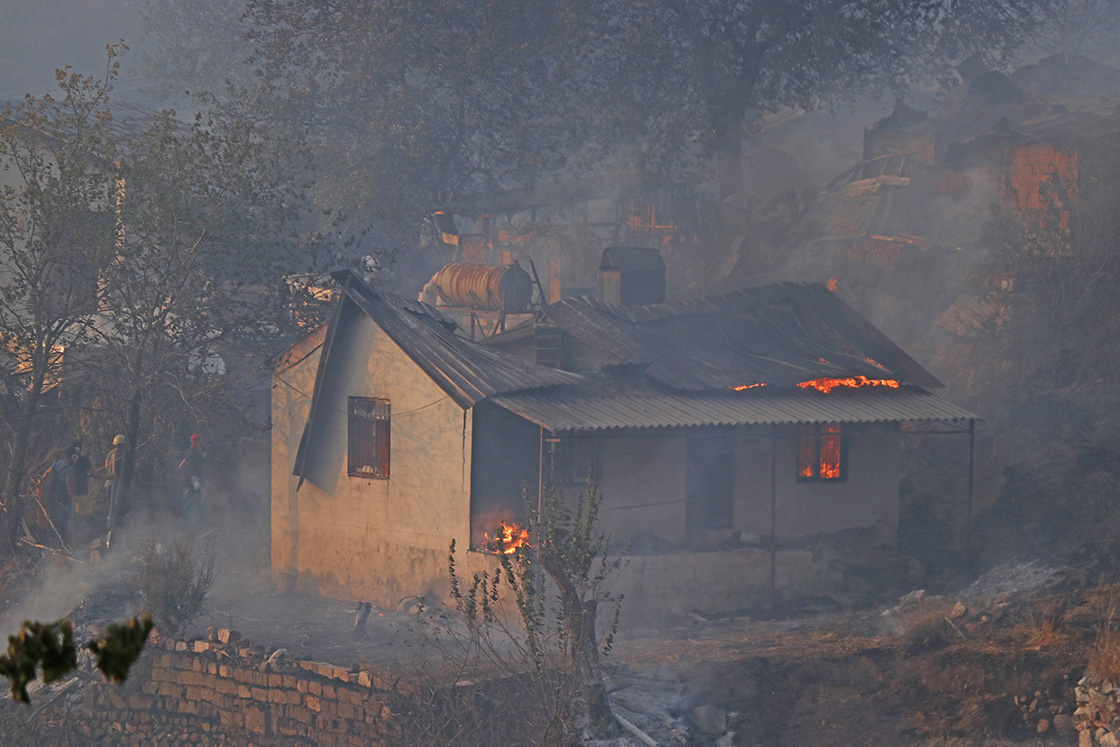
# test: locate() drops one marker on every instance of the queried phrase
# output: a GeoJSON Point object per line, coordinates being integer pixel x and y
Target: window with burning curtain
{"type": "Point", "coordinates": [820, 452]}
{"type": "Point", "coordinates": [367, 452]}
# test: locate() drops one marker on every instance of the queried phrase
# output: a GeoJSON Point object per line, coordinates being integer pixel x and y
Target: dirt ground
{"type": "Point", "coordinates": [923, 673]}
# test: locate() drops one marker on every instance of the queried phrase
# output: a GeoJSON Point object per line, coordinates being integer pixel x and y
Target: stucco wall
{"type": "Point", "coordinates": [367, 539]}
{"type": "Point", "coordinates": [643, 485]}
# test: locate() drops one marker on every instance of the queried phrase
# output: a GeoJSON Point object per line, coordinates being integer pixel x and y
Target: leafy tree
{"type": "Point", "coordinates": [211, 216]}
{"type": "Point", "coordinates": [534, 621]}
{"type": "Point", "coordinates": [56, 231]}
{"type": "Point", "coordinates": [154, 252]}
{"type": "Point", "coordinates": [413, 105]}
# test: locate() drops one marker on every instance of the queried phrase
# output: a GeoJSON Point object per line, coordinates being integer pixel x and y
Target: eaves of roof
{"type": "Point", "coordinates": [564, 410]}
{"type": "Point", "coordinates": [466, 371]}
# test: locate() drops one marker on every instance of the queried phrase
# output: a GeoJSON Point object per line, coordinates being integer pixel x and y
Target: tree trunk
{"type": "Point", "coordinates": [132, 436]}
{"type": "Point", "coordinates": [14, 499]}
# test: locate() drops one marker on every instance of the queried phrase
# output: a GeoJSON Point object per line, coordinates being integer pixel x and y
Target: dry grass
{"type": "Point", "coordinates": [925, 625]}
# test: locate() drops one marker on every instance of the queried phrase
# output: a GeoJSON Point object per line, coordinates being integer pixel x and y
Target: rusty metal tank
{"type": "Point", "coordinates": [506, 288]}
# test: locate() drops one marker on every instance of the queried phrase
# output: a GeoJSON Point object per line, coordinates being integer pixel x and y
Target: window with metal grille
{"type": "Point", "coordinates": [821, 453]}
{"type": "Point", "coordinates": [367, 453]}
{"type": "Point", "coordinates": [573, 459]}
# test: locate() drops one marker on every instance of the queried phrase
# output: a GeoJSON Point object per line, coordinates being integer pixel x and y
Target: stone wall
{"type": "Point", "coordinates": [1097, 717]}
{"type": "Point", "coordinates": [213, 693]}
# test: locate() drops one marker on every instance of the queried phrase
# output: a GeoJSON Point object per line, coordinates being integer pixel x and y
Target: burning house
{"type": "Point", "coordinates": [728, 434]}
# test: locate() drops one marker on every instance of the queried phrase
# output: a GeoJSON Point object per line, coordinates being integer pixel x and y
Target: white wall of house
{"type": "Point", "coordinates": [362, 538]}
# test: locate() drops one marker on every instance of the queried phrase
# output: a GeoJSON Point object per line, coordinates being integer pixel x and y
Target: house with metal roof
{"type": "Point", "coordinates": [727, 435]}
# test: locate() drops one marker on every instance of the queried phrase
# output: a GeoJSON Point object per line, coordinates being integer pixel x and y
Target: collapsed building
{"type": "Point", "coordinates": [727, 434]}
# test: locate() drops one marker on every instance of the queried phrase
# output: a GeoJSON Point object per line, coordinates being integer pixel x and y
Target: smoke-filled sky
{"type": "Point", "coordinates": [37, 36]}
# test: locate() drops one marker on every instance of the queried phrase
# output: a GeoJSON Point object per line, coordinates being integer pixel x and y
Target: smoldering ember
{"type": "Point", "coordinates": [560, 373]}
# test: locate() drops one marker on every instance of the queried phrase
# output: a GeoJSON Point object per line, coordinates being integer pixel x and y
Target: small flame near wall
{"type": "Point", "coordinates": [510, 537]}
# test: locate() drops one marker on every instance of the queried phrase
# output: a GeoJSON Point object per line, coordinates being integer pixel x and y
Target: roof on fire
{"type": "Point", "coordinates": [779, 334]}
{"type": "Point", "coordinates": [563, 410]}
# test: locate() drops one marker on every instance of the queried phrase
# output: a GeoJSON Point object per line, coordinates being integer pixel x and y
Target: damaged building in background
{"type": "Point", "coordinates": [1038, 145]}
{"type": "Point", "coordinates": [729, 435]}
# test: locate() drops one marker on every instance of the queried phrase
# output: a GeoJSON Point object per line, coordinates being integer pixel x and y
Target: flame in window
{"type": "Point", "coordinates": [507, 540]}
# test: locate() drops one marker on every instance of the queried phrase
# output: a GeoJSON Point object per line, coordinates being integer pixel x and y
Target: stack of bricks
{"type": "Point", "coordinates": [221, 691]}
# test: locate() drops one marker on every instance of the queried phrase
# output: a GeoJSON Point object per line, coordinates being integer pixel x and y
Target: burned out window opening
{"type": "Point", "coordinates": [368, 430]}
{"type": "Point", "coordinates": [571, 459]}
{"type": "Point", "coordinates": [821, 453]}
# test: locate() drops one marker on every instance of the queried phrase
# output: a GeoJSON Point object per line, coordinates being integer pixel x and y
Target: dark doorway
{"type": "Point", "coordinates": [708, 481]}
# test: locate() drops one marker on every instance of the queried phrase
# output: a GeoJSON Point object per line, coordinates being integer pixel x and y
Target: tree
{"type": "Point", "coordinates": [414, 104]}
{"type": "Point", "coordinates": [154, 252]}
{"type": "Point", "coordinates": [211, 218]}
{"type": "Point", "coordinates": [56, 230]}
{"type": "Point", "coordinates": [531, 627]}
{"type": "Point", "coordinates": [417, 104]}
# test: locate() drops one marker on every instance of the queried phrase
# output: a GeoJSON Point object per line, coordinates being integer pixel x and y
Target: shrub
{"type": "Point", "coordinates": [174, 583]}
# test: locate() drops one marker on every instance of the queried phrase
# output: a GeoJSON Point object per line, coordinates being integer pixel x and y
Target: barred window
{"type": "Point", "coordinates": [368, 424]}
{"type": "Point", "coordinates": [820, 453]}
{"type": "Point", "coordinates": [572, 459]}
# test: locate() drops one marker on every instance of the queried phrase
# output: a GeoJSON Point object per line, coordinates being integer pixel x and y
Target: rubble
{"type": "Point", "coordinates": [1011, 578]}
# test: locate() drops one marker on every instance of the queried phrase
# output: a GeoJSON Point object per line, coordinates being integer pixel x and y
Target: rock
{"type": "Point", "coordinates": [1084, 739]}
{"type": "Point", "coordinates": [959, 610]}
{"type": "Point", "coordinates": [710, 719]}
{"type": "Point", "coordinates": [1108, 739]}
{"type": "Point", "coordinates": [1043, 725]}
{"type": "Point", "coordinates": [1063, 723]}
{"type": "Point", "coordinates": [227, 636]}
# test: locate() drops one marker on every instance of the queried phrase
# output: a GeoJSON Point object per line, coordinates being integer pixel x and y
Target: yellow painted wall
{"type": "Point", "coordinates": [365, 539]}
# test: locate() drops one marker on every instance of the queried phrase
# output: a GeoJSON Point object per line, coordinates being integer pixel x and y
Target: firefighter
{"type": "Point", "coordinates": [193, 470]}
{"type": "Point", "coordinates": [114, 464]}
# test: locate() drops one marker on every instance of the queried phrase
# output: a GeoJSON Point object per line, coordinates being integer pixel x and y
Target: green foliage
{"type": "Point", "coordinates": [121, 647]}
{"type": "Point", "coordinates": [49, 645]}
{"type": "Point", "coordinates": [174, 582]}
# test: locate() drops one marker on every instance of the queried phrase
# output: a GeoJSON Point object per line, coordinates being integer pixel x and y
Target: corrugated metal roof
{"type": "Point", "coordinates": [780, 334]}
{"type": "Point", "coordinates": [567, 411]}
{"type": "Point", "coordinates": [467, 371]}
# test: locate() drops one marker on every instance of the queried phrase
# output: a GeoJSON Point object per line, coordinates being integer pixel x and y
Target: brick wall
{"type": "Point", "coordinates": [209, 693]}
